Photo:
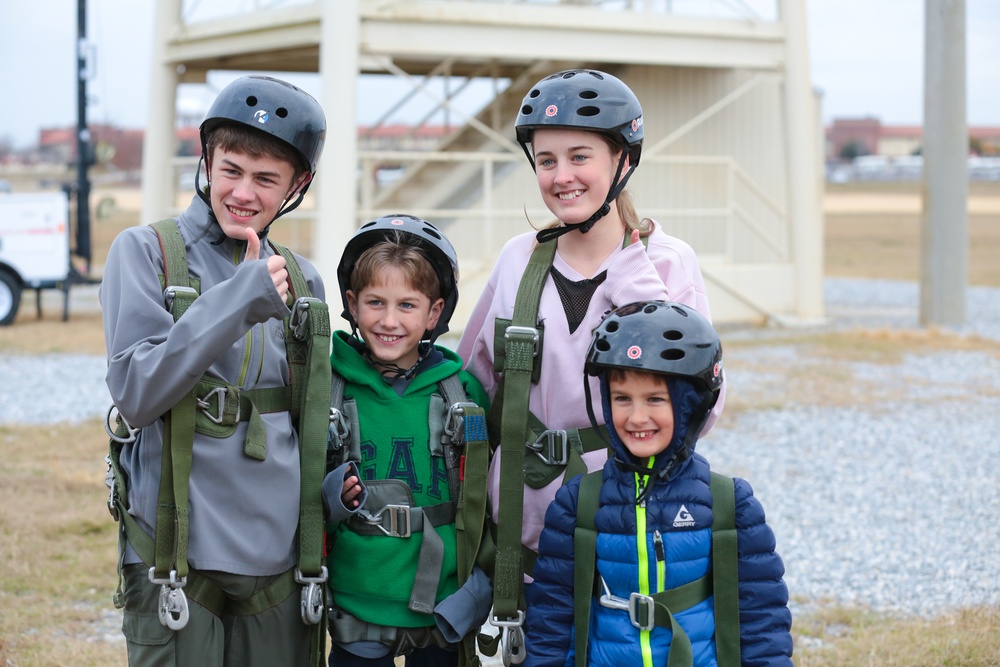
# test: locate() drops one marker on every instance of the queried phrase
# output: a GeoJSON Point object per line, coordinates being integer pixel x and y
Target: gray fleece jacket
{"type": "Point", "coordinates": [243, 512]}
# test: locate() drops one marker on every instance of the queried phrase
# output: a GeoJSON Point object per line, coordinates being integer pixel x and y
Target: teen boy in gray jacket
{"type": "Point", "coordinates": [261, 142]}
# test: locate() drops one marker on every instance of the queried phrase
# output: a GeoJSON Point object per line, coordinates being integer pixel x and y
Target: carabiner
{"type": "Point", "coordinates": [312, 596]}
{"type": "Point", "coordinates": [173, 607]}
{"type": "Point", "coordinates": [511, 639]}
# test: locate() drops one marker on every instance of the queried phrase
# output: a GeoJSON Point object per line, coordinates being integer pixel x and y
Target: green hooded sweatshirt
{"type": "Point", "coordinates": [371, 576]}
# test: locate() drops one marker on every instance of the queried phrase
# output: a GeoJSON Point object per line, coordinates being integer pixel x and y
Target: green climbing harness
{"type": "Point", "coordinates": [457, 435]}
{"type": "Point", "coordinates": [531, 453]}
{"type": "Point", "coordinates": [214, 408]}
{"type": "Point", "coordinates": [658, 610]}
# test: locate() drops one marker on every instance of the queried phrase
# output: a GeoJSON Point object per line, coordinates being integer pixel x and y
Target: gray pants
{"type": "Point", "coordinates": [275, 636]}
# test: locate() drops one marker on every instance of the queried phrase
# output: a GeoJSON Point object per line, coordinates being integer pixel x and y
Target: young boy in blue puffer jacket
{"type": "Point", "coordinates": [660, 369]}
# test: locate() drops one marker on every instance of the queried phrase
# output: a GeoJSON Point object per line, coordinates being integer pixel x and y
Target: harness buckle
{"type": "Point", "coordinates": [300, 317]}
{"type": "Point", "coordinates": [172, 609]}
{"type": "Point", "coordinates": [514, 330]}
{"type": "Point", "coordinates": [511, 639]}
{"type": "Point", "coordinates": [551, 446]}
{"type": "Point", "coordinates": [312, 595]}
{"type": "Point", "coordinates": [204, 404]}
{"type": "Point", "coordinates": [641, 611]}
{"type": "Point", "coordinates": [339, 430]}
{"type": "Point", "coordinates": [399, 520]}
{"type": "Point", "coordinates": [455, 419]}
{"type": "Point", "coordinates": [640, 608]}
{"type": "Point", "coordinates": [130, 438]}
{"type": "Point", "coordinates": [171, 293]}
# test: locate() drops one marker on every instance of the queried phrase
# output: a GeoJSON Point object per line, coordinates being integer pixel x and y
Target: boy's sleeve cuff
{"type": "Point", "coordinates": [333, 486]}
{"type": "Point", "coordinates": [465, 610]}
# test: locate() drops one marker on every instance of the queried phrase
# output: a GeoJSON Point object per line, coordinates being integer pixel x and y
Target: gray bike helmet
{"type": "Point", "coordinates": [434, 244]}
{"type": "Point", "coordinates": [584, 99]}
{"type": "Point", "coordinates": [658, 337]}
{"type": "Point", "coordinates": [275, 107]}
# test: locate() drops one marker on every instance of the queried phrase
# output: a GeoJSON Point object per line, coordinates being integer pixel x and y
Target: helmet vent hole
{"type": "Point", "coordinates": [588, 111]}
{"type": "Point", "coordinates": [534, 93]}
{"type": "Point", "coordinates": [651, 308]}
{"type": "Point", "coordinates": [569, 75]}
{"type": "Point", "coordinates": [602, 345]}
{"type": "Point", "coordinates": [432, 232]}
{"type": "Point", "coordinates": [612, 327]}
{"type": "Point", "coordinates": [527, 110]}
{"type": "Point", "coordinates": [251, 100]}
{"type": "Point", "coordinates": [281, 112]}
{"type": "Point", "coordinates": [672, 354]}
{"type": "Point", "coordinates": [673, 334]}
{"type": "Point", "coordinates": [588, 94]}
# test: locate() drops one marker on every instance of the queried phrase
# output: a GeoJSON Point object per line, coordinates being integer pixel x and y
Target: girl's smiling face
{"type": "Point", "coordinates": [575, 170]}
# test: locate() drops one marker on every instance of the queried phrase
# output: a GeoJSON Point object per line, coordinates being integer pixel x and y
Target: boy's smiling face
{"type": "Point", "coordinates": [641, 412]}
{"type": "Point", "coordinates": [247, 191]}
{"type": "Point", "coordinates": [392, 317]}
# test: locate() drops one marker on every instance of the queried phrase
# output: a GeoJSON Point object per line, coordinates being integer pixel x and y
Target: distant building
{"type": "Point", "coordinates": [847, 138]}
{"type": "Point", "coordinates": [58, 145]}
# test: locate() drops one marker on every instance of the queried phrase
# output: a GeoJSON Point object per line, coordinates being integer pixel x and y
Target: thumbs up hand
{"type": "Point", "coordinates": [275, 264]}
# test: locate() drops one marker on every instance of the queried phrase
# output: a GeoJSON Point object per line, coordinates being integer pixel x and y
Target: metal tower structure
{"type": "Point", "coordinates": [732, 156]}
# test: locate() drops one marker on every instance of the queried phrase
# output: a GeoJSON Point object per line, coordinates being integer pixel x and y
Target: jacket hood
{"type": "Point", "coordinates": [348, 359]}
{"type": "Point", "coordinates": [691, 408]}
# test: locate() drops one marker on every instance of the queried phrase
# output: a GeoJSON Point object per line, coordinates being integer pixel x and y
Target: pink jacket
{"type": "Point", "coordinates": [666, 269]}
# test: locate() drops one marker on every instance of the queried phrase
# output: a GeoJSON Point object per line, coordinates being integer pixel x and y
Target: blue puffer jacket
{"type": "Point", "coordinates": [659, 545]}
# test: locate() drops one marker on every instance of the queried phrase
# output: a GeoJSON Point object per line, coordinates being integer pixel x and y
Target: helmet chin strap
{"type": "Point", "coordinates": [551, 233]}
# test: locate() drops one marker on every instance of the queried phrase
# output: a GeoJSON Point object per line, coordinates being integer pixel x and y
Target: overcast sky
{"type": "Point", "coordinates": [866, 58]}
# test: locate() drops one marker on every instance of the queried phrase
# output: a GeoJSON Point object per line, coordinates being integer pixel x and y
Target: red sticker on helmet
{"type": "Point", "coordinates": [396, 221]}
{"type": "Point", "coordinates": [635, 124]}
{"type": "Point", "coordinates": [634, 352]}
{"type": "Point", "coordinates": [551, 110]}
{"type": "Point", "coordinates": [715, 370]}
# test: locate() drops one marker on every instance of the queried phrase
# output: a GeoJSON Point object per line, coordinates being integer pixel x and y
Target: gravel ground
{"type": "Point", "coordinates": [887, 506]}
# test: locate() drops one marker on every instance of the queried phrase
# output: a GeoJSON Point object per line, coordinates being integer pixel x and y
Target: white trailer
{"type": "Point", "coordinates": [34, 246]}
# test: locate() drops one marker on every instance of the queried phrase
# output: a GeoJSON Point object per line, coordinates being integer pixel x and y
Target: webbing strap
{"type": "Point", "coordinates": [310, 375]}
{"type": "Point", "coordinates": [170, 552]}
{"type": "Point", "coordinates": [313, 425]}
{"type": "Point", "coordinates": [520, 348]}
{"type": "Point", "coordinates": [201, 590]}
{"type": "Point", "coordinates": [722, 582]}
{"type": "Point", "coordinates": [585, 558]}
{"type": "Point", "coordinates": [725, 570]}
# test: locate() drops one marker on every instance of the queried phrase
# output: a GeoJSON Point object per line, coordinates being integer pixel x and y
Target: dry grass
{"type": "Point", "coordinates": [873, 230]}
{"type": "Point", "coordinates": [844, 636]}
{"type": "Point", "coordinates": [57, 547]}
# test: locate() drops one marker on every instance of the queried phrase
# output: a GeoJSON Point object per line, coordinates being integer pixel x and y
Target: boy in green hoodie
{"type": "Point", "coordinates": [407, 460]}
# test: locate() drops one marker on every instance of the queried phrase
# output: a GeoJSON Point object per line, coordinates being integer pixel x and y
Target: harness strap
{"type": "Point", "coordinates": [659, 609]}
{"type": "Point", "coordinates": [347, 629]}
{"type": "Point", "coordinates": [210, 407]}
{"type": "Point", "coordinates": [725, 571]}
{"type": "Point", "coordinates": [521, 347]}
{"type": "Point", "coordinates": [585, 555]}
{"type": "Point", "coordinates": [202, 590]}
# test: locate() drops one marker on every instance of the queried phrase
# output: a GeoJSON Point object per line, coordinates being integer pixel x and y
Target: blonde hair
{"type": "Point", "coordinates": [398, 251]}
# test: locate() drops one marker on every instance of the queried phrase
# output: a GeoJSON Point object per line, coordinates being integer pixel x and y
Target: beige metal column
{"type": "Point", "coordinates": [804, 185]}
{"type": "Point", "coordinates": [159, 141]}
{"type": "Point", "coordinates": [944, 252]}
{"type": "Point", "coordinates": [337, 175]}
